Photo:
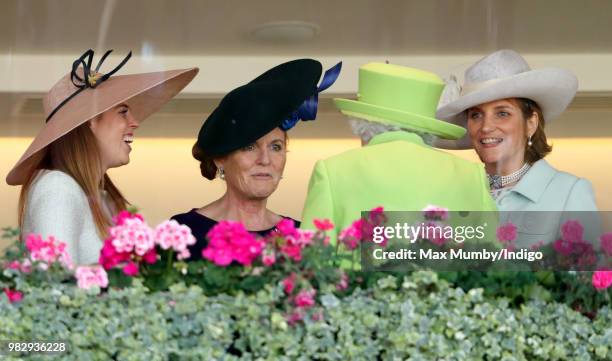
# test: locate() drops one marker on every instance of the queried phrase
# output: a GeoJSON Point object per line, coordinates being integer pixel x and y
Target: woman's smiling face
{"type": "Point", "coordinates": [499, 134]}
{"type": "Point", "coordinates": [114, 132]}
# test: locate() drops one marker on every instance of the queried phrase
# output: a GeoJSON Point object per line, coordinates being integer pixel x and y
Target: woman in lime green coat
{"type": "Point", "coordinates": [396, 168]}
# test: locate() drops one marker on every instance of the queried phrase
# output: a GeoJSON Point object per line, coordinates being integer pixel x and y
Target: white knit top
{"type": "Point", "coordinates": [57, 206]}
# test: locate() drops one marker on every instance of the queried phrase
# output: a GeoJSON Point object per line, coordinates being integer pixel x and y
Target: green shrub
{"type": "Point", "coordinates": [419, 317]}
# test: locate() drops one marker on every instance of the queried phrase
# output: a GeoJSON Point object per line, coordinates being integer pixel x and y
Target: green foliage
{"type": "Point", "coordinates": [16, 251]}
{"type": "Point", "coordinates": [16, 248]}
{"type": "Point", "coordinates": [572, 288]}
{"type": "Point", "coordinates": [417, 317]}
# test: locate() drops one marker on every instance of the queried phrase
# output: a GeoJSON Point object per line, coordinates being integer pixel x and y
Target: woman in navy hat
{"type": "Point", "coordinates": [244, 142]}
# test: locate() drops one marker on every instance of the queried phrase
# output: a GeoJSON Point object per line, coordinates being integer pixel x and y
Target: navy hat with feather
{"type": "Point", "coordinates": [277, 98]}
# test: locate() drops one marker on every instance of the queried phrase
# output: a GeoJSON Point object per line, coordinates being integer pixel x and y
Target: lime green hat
{"type": "Point", "coordinates": [400, 96]}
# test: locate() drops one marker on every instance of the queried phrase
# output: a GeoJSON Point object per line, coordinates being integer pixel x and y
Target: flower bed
{"type": "Point", "coordinates": [290, 296]}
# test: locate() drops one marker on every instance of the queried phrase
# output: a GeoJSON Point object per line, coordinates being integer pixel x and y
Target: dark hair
{"type": "Point", "coordinates": [208, 169]}
{"type": "Point", "coordinates": [539, 145]}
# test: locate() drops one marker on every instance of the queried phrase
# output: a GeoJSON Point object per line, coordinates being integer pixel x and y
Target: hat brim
{"type": "Point", "coordinates": [398, 118]}
{"type": "Point", "coordinates": [251, 111]}
{"type": "Point", "coordinates": [144, 93]}
{"type": "Point", "coordinates": [551, 88]}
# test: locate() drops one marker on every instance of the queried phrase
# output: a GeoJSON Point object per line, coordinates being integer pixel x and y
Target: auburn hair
{"type": "Point", "coordinates": [77, 155]}
{"type": "Point", "coordinates": [539, 144]}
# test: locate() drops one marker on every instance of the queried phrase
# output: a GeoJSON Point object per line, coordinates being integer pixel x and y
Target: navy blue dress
{"type": "Point", "coordinates": [200, 225]}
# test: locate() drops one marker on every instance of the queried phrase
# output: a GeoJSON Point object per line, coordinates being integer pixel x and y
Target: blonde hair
{"type": "Point", "coordinates": [77, 155]}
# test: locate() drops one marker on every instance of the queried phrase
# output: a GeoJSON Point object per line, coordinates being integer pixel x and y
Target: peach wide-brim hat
{"type": "Point", "coordinates": [501, 75]}
{"type": "Point", "coordinates": [64, 110]}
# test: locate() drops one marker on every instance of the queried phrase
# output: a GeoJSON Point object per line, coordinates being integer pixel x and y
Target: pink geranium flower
{"type": "Point", "coordinates": [90, 276]}
{"type": "Point", "coordinates": [305, 298]}
{"type": "Point", "coordinates": [268, 258]}
{"type": "Point", "coordinates": [376, 216]}
{"type": "Point", "coordinates": [292, 250]}
{"type": "Point", "coordinates": [48, 250]}
{"type": "Point", "coordinates": [343, 282]}
{"type": "Point", "coordinates": [26, 266]}
{"type": "Point", "coordinates": [219, 256]}
{"type": "Point", "coordinates": [131, 269]}
{"type": "Point", "coordinates": [606, 244]}
{"type": "Point", "coordinates": [13, 295]}
{"type": "Point", "coordinates": [172, 235]}
{"type": "Point", "coordinates": [305, 237]}
{"type": "Point", "coordinates": [572, 231]}
{"type": "Point", "coordinates": [602, 279]}
{"type": "Point", "coordinates": [295, 317]}
{"type": "Point", "coordinates": [435, 213]}
{"type": "Point", "coordinates": [110, 257]}
{"type": "Point", "coordinates": [563, 247]}
{"type": "Point", "coordinates": [132, 235]}
{"type": "Point", "coordinates": [286, 227]}
{"type": "Point", "coordinates": [120, 218]}
{"type": "Point", "coordinates": [15, 265]}
{"type": "Point", "coordinates": [506, 232]}
{"type": "Point", "coordinates": [352, 235]}
{"type": "Point", "coordinates": [293, 240]}
{"type": "Point", "coordinates": [35, 243]}
{"type": "Point", "coordinates": [362, 229]}
{"type": "Point", "coordinates": [323, 225]}
{"type": "Point", "coordinates": [230, 241]}
{"type": "Point", "coordinates": [289, 283]}
{"type": "Point", "coordinates": [433, 232]}
{"type": "Point", "coordinates": [151, 256]}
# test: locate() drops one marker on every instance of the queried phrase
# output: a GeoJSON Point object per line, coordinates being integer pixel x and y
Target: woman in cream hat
{"type": "Point", "coordinates": [504, 105]}
{"type": "Point", "coordinates": [90, 118]}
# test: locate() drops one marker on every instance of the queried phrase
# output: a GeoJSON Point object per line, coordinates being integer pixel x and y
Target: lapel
{"type": "Point", "coordinates": [534, 183]}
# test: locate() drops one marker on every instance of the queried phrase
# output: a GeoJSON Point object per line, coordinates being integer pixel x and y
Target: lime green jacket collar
{"type": "Point", "coordinates": [397, 135]}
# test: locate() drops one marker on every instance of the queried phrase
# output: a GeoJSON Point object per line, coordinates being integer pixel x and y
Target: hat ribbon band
{"type": "Point", "coordinates": [91, 79]}
{"type": "Point", "coordinates": [308, 109]}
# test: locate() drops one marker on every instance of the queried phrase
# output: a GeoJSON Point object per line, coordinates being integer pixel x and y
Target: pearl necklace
{"type": "Point", "coordinates": [499, 181]}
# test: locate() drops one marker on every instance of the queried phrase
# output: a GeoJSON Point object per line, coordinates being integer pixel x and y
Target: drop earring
{"type": "Point", "coordinates": [221, 173]}
{"type": "Point", "coordinates": [529, 143]}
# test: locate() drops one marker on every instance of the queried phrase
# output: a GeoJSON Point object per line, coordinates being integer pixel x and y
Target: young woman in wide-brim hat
{"type": "Point", "coordinates": [504, 105]}
{"type": "Point", "coordinates": [90, 118]}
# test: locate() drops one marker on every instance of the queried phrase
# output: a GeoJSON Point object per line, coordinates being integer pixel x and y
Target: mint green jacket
{"type": "Point", "coordinates": [398, 171]}
{"type": "Point", "coordinates": [543, 200]}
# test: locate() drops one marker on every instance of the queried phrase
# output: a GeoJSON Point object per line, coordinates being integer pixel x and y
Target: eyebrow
{"type": "Point", "coordinates": [477, 109]}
